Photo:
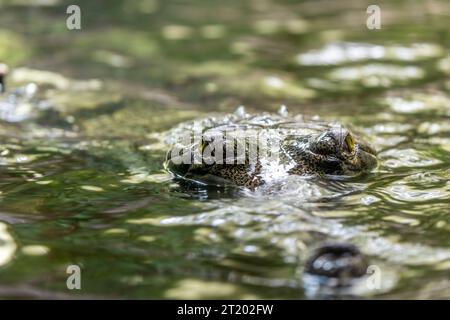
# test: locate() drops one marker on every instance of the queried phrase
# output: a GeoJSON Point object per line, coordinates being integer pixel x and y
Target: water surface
{"type": "Point", "coordinates": [81, 146]}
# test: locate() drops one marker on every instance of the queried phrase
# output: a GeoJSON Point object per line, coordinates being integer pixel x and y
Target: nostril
{"type": "Point", "coordinates": [339, 261]}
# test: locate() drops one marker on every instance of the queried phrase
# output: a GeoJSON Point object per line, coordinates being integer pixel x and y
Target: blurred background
{"type": "Point", "coordinates": [81, 177]}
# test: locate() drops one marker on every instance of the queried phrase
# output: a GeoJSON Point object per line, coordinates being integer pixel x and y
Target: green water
{"type": "Point", "coordinates": [81, 175]}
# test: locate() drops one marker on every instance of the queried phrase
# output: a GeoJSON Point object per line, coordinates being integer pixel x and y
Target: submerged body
{"type": "Point", "coordinates": [252, 150]}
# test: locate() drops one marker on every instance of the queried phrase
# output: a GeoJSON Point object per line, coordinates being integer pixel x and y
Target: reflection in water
{"type": "Point", "coordinates": [377, 75]}
{"type": "Point", "coordinates": [7, 245]}
{"type": "Point", "coordinates": [18, 105]}
{"type": "Point", "coordinates": [420, 102]}
{"type": "Point", "coordinates": [342, 53]}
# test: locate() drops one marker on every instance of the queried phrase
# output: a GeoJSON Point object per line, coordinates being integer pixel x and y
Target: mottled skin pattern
{"type": "Point", "coordinates": [307, 147]}
{"type": "Point", "coordinates": [239, 174]}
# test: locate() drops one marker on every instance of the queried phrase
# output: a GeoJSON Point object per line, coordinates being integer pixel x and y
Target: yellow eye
{"type": "Point", "coordinates": [202, 145]}
{"type": "Point", "coordinates": [350, 142]}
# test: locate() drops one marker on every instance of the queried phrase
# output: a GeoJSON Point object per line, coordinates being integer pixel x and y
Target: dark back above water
{"type": "Point", "coordinates": [81, 146]}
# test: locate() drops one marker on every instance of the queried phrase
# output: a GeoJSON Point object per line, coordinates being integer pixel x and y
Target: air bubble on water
{"type": "Point", "coordinates": [283, 111]}
{"type": "Point", "coordinates": [240, 112]}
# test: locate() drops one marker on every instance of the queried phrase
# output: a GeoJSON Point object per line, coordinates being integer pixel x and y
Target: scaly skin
{"type": "Point", "coordinates": [307, 147]}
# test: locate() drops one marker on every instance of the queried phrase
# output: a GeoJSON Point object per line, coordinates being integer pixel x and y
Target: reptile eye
{"type": "Point", "coordinates": [202, 145]}
{"type": "Point", "coordinates": [350, 142]}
